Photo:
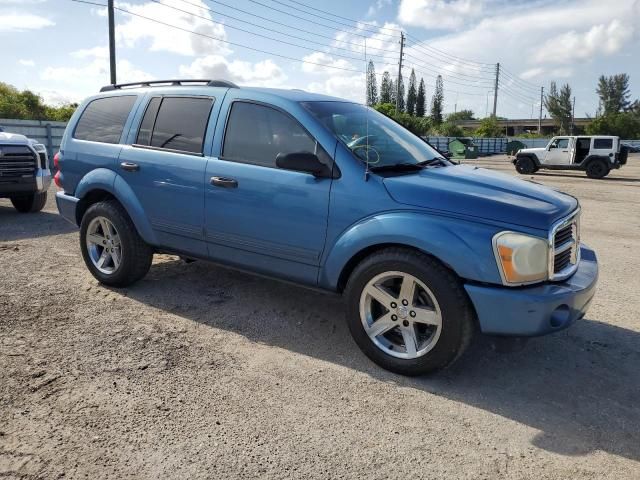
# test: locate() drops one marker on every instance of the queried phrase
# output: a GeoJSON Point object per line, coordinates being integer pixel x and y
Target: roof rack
{"type": "Point", "coordinates": [150, 83]}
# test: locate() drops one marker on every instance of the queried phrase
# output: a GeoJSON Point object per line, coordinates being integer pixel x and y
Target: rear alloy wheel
{"type": "Point", "coordinates": [597, 169]}
{"type": "Point", "coordinates": [407, 312]}
{"type": "Point", "coordinates": [111, 247]}
{"type": "Point", "coordinates": [30, 203]}
{"type": "Point", "coordinates": [525, 166]}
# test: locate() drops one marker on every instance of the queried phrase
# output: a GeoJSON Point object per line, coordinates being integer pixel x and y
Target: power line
{"type": "Point", "coordinates": [456, 75]}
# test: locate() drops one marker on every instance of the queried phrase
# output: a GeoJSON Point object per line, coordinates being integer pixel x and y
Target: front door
{"type": "Point", "coordinates": [259, 216]}
{"type": "Point", "coordinates": [165, 168]}
{"type": "Point", "coordinates": [559, 151]}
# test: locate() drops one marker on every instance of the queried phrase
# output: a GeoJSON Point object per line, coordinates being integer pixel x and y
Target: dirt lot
{"type": "Point", "coordinates": [201, 372]}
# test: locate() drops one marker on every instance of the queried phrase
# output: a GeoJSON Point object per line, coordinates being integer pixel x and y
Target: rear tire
{"type": "Point", "coordinates": [439, 314]}
{"type": "Point", "coordinates": [597, 169]}
{"type": "Point", "coordinates": [112, 249]}
{"type": "Point", "coordinates": [30, 203]}
{"type": "Point", "coordinates": [525, 166]}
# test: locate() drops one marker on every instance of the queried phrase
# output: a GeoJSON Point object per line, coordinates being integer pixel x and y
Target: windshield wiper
{"type": "Point", "coordinates": [398, 167]}
{"type": "Point", "coordinates": [433, 161]}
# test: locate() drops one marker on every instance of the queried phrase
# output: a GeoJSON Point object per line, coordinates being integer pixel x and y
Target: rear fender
{"type": "Point", "coordinates": [463, 246]}
{"type": "Point", "coordinates": [109, 181]}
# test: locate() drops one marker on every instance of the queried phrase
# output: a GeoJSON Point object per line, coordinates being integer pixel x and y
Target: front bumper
{"type": "Point", "coordinates": [540, 309]}
{"type": "Point", "coordinates": [16, 186]}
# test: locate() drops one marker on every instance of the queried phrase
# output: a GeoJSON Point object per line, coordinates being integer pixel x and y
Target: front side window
{"type": "Point", "coordinates": [104, 118]}
{"type": "Point", "coordinates": [560, 143]}
{"type": "Point", "coordinates": [256, 134]}
{"type": "Point", "coordinates": [175, 123]}
{"type": "Point", "coordinates": [603, 143]}
{"type": "Point", "coordinates": [372, 136]}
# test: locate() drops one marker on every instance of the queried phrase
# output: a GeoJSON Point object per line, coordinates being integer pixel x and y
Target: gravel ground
{"type": "Point", "coordinates": [202, 372]}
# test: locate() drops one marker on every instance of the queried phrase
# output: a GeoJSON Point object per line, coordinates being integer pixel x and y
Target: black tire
{"type": "Point", "coordinates": [597, 169]}
{"type": "Point", "coordinates": [525, 166]}
{"type": "Point", "coordinates": [30, 203]}
{"type": "Point", "coordinates": [456, 309]}
{"type": "Point", "coordinates": [136, 256]}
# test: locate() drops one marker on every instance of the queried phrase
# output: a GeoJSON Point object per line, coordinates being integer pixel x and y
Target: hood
{"type": "Point", "coordinates": [14, 139]}
{"type": "Point", "coordinates": [482, 193]}
{"type": "Point", "coordinates": [532, 150]}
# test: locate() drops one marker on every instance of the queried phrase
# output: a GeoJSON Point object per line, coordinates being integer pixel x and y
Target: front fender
{"type": "Point", "coordinates": [463, 246]}
{"type": "Point", "coordinates": [109, 181]}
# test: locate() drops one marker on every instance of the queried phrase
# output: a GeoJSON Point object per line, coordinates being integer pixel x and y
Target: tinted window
{"type": "Point", "coordinates": [103, 120]}
{"type": "Point", "coordinates": [181, 123]}
{"type": "Point", "coordinates": [144, 134]}
{"type": "Point", "coordinates": [562, 142]}
{"type": "Point", "coordinates": [603, 143]}
{"type": "Point", "coordinates": [257, 134]}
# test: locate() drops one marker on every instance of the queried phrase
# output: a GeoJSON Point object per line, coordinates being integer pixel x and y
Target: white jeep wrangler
{"type": "Point", "coordinates": [596, 155]}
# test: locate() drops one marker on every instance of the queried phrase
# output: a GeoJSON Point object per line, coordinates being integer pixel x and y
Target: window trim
{"type": "Point", "coordinates": [172, 150]}
{"type": "Point", "coordinates": [75, 127]}
{"type": "Point", "coordinates": [335, 171]}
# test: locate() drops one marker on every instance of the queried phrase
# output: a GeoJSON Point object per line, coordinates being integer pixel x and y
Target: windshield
{"type": "Point", "coordinates": [371, 135]}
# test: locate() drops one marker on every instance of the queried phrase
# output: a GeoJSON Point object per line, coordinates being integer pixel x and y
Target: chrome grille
{"type": "Point", "coordinates": [565, 247]}
{"type": "Point", "coordinates": [17, 161]}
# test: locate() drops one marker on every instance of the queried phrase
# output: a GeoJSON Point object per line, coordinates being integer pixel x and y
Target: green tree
{"type": "Point", "coordinates": [437, 102]}
{"type": "Point", "coordinates": [412, 94]}
{"type": "Point", "coordinates": [448, 129]}
{"type": "Point", "coordinates": [394, 91]}
{"type": "Point", "coordinates": [386, 88]}
{"type": "Point", "coordinates": [400, 94]}
{"type": "Point", "coordinates": [461, 115]}
{"type": "Point", "coordinates": [622, 124]}
{"type": "Point", "coordinates": [559, 106]}
{"type": "Point", "coordinates": [614, 93]}
{"type": "Point", "coordinates": [421, 100]}
{"type": "Point", "coordinates": [489, 127]}
{"type": "Point", "coordinates": [26, 105]}
{"type": "Point", "coordinates": [372, 85]}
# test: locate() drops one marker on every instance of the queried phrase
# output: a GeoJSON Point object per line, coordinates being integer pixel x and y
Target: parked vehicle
{"type": "Point", "coordinates": [328, 194]}
{"type": "Point", "coordinates": [596, 155]}
{"type": "Point", "coordinates": [24, 172]}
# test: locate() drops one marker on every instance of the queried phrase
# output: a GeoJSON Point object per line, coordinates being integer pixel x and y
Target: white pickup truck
{"type": "Point", "coordinates": [596, 155]}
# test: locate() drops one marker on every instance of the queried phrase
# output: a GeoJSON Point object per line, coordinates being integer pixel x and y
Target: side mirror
{"type": "Point", "coordinates": [303, 162]}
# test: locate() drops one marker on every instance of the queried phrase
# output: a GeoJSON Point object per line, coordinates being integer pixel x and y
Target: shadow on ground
{"type": "Point", "coordinates": [16, 226]}
{"type": "Point", "coordinates": [583, 175]}
{"type": "Point", "coordinates": [579, 388]}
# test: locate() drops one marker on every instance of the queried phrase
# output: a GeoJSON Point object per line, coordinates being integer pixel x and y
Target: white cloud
{"type": "Point", "coordinates": [264, 73]}
{"type": "Point", "coordinates": [439, 14]}
{"type": "Point", "coordinates": [21, 22]}
{"type": "Point", "coordinates": [136, 30]}
{"type": "Point", "coordinates": [95, 52]}
{"type": "Point", "coordinates": [351, 87]}
{"type": "Point", "coordinates": [318, 60]}
{"type": "Point", "coordinates": [602, 39]}
{"type": "Point", "coordinates": [27, 62]}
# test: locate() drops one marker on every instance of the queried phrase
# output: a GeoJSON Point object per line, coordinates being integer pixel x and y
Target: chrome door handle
{"type": "Point", "coordinates": [130, 166]}
{"type": "Point", "coordinates": [224, 182]}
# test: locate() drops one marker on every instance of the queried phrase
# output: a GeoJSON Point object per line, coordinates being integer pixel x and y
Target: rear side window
{"type": "Point", "coordinates": [104, 118]}
{"type": "Point", "coordinates": [146, 127]}
{"type": "Point", "coordinates": [256, 134]}
{"type": "Point", "coordinates": [180, 124]}
{"type": "Point", "coordinates": [603, 143]}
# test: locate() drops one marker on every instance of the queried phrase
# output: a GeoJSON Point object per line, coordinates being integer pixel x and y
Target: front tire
{"type": "Point", "coordinates": [112, 249]}
{"type": "Point", "coordinates": [525, 166]}
{"type": "Point", "coordinates": [597, 169]}
{"type": "Point", "coordinates": [30, 203]}
{"type": "Point", "coordinates": [407, 312]}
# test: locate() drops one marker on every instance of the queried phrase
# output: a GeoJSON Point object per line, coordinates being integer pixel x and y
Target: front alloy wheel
{"type": "Point", "coordinates": [400, 315]}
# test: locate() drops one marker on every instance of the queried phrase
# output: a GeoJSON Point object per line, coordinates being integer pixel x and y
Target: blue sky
{"type": "Point", "coordinates": [58, 48]}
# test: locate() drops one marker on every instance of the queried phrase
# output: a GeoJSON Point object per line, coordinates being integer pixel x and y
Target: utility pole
{"type": "Point", "coordinates": [540, 117]}
{"type": "Point", "coordinates": [112, 42]}
{"type": "Point", "coordinates": [573, 114]}
{"type": "Point", "coordinates": [399, 71]}
{"type": "Point", "coordinates": [495, 90]}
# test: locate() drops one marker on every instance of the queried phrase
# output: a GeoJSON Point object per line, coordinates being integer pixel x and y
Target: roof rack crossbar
{"type": "Point", "coordinates": [174, 82]}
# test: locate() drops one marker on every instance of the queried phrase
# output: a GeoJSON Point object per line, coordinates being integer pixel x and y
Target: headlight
{"type": "Point", "coordinates": [521, 258]}
{"type": "Point", "coordinates": [38, 147]}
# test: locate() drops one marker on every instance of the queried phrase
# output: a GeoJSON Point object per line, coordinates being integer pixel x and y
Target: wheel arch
{"type": "Point", "coordinates": [532, 156]}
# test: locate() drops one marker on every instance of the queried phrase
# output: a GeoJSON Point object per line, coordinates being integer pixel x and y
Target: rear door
{"type": "Point", "coordinates": [164, 165]}
{"type": "Point", "coordinates": [259, 216]}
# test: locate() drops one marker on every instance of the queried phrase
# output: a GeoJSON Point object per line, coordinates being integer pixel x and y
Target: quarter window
{"type": "Point", "coordinates": [104, 118]}
{"type": "Point", "coordinates": [176, 123]}
{"type": "Point", "coordinates": [603, 143]}
{"type": "Point", "coordinates": [256, 134]}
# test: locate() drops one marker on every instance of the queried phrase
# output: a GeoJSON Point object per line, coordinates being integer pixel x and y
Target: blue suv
{"type": "Point", "coordinates": [325, 193]}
